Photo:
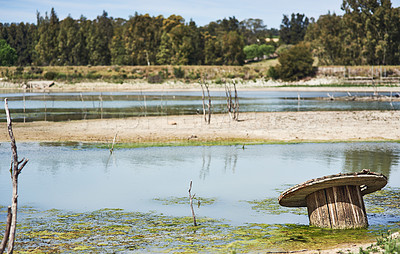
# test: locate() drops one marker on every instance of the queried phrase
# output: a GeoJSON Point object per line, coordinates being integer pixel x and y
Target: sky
{"type": "Point", "coordinates": [200, 11]}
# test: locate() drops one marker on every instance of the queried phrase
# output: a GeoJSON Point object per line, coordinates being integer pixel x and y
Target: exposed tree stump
{"type": "Point", "coordinates": [335, 201]}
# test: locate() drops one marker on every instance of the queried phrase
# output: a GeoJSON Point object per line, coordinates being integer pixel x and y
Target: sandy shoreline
{"type": "Point", "coordinates": [320, 126]}
{"type": "Point", "coordinates": [316, 84]}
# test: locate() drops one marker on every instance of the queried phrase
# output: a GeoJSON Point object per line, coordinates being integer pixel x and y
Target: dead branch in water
{"type": "Point", "coordinates": [204, 87]}
{"type": "Point", "coordinates": [191, 204]}
{"type": "Point", "coordinates": [15, 170]}
{"type": "Point", "coordinates": [7, 232]}
{"type": "Point", "coordinates": [232, 104]}
{"type": "Point", "coordinates": [113, 143]}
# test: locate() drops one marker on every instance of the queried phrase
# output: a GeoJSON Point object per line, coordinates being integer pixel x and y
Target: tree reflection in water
{"type": "Point", "coordinates": [376, 158]}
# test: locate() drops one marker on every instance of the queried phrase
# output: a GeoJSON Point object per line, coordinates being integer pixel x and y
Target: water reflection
{"type": "Point", "coordinates": [379, 159]}
{"type": "Point", "coordinates": [94, 105]}
{"type": "Point", "coordinates": [78, 178]}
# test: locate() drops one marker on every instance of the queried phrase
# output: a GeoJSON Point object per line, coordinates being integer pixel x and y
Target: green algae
{"type": "Point", "coordinates": [115, 230]}
{"type": "Point", "coordinates": [383, 201]}
{"type": "Point", "coordinates": [271, 206]}
{"type": "Point", "coordinates": [185, 200]}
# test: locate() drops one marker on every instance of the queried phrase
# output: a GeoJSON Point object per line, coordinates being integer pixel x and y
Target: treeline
{"type": "Point", "coordinates": [140, 40]}
{"type": "Point", "coordinates": [368, 33]}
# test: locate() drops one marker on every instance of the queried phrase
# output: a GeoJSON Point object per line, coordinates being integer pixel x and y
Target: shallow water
{"type": "Point", "coordinates": [94, 105]}
{"type": "Point", "coordinates": [81, 179]}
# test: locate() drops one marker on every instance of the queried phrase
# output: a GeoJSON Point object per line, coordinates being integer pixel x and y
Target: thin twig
{"type": "Point", "coordinates": [112, 146]}
{"type": "Point", "coordinates": [191, 204]}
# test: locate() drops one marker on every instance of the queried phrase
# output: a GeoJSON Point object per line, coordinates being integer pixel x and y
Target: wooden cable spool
{"type": "Point", "coordinates": [335, 201]}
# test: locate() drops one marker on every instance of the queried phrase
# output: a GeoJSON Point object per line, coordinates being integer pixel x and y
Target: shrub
{"type": "Point", "coordinates": [296, 63]}
{"type": "Point", "coordinates": [156, 78]}
{"type": "Point", "coordinates": [179, 73]}
{"type": "Point", "coordinates": [36, 70]}
{"type": "Point", "coordinates": [93, 75]}
{"type": "Point", "coordinates": [50, 75]}
{"type": "Point", "coordinates": [272, 73]}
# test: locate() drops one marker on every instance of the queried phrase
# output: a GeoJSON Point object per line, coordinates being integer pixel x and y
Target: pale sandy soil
{"type": "Point", "coordinates": [265, 127]}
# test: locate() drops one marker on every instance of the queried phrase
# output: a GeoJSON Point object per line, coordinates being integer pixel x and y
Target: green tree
{"type": "Point", "coordinates": [251, 51]}
{"type": "Point", "coordinates": [294, 29]}
{"type": "Point", "coordinates": [47, 46]}
{"type": "Point", "coordinates": [253, 30]}
{"type": "Point", "coordinates": [8, 55]}
{"type": "Point", "coordinates": [142, 39]}
{"type": "Point", "coordinates": [21, 37]}
{"type": "Point", "coordinates": [259, 51]}
{"type": "Point", "coordinates": [117, 46]}
{"type": "Point", "coordinates": [212, 50]}
{"type": "Point", "coordinates": [67, 40]}
{"type": "Point", "coordinates": [232, 45]}
{"type": "Point", "coordinates": [99, 39]}
{"type": "Point", "coordinates": [80, 51]}
{"type": "Point", "coordinates": [296, 63]}
{"type": "Point", "coordinates": [180, 43]}
{"type": "Point", "coordinates": [325, 36]}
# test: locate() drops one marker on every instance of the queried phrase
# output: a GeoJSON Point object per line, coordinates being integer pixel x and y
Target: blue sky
{"type": "Point", "coordinates": [201, 11]}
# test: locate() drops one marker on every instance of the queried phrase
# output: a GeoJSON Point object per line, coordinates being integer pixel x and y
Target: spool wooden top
{"type": "Point", "coordinates": [368, 181]}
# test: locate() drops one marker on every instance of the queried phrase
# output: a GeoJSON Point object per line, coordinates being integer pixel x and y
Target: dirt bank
{"type": "Point", "coordinates": [264, 127]}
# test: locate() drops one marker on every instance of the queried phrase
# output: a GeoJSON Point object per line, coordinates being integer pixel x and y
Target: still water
{"type": "Point", "coordinates": [94, 105]}
{"type": "Point", "coordinates": [82, 179]}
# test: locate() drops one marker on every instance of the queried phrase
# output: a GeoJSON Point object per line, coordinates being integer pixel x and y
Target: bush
{"type": "Point", "coordinates": [36, 70]}
{"type": "Point", "coordinates": [296, 63]}
{"type": "Point", "coordinates": [93, 75]}
{"type": "Point", "coordinates": [156, 78]}
{"type": "Point", "coordinates": [50, 75]}
{"type": "Point", "coordinates": [258, 51]}
{"type": "Point", "coordinates": [179, 73]}
{"type": "Point", "coordinates": [8, 55]}
{"type": "Point", "coordinates": [272, 73]}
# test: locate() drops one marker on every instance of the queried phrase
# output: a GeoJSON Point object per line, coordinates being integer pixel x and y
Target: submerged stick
{"type": "Point", "coordinates": [112, 146]}
{"type": "Point", "coordinates": [7, 233]}
{"type": "Point", "coordinates": [191, 204]}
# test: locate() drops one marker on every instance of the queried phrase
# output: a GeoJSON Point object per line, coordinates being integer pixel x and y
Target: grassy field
{"type": "Point", "coordinates": [152, 74]}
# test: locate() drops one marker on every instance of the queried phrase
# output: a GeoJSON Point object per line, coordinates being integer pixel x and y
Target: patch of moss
{"type": "Point", "coordinates": [271, 206]}
{"type": "Point", "coordinates": [115, 230]}
{"type": "Point", "coordinates": [383, 201]}
{"type": "Point", "coordinates": [185, 200]}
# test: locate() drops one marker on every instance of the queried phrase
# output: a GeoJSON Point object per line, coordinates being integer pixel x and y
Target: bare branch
{"type": "Point", "coordinates": [15, 170]}
{"type": "Point", "coordinates": [7, 233]}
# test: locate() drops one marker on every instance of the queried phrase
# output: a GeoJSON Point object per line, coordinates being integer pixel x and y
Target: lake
{"type": "Point", "coordinates": [61, 106]}
{"type": "Point", "coordinates": [80, 179]}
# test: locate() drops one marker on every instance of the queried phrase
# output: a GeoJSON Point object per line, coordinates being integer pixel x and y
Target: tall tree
{"type": "Point", "coordinates": [142, 39]}
{"type": "Point", "coordinates": [47, 46]}
{"type": "Point", "coordinates": [325, 36]}
{"type": "Point", "coordinates": [232, 48]}
{"type": "Point", "coordinates": [117, 46]}
{"type": "Point", "coordinates": [253, 31]}
{"type": "Point", "coordinates": [294, 29]}
{"type": "Point", "coordinates": [80, 51]}
{"type": "Point", "coordinates": [67, 40]}
{"type": "Point", "coordinates": [180, 42]}
{"type": "Point", "coordinates": [99, 39]}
